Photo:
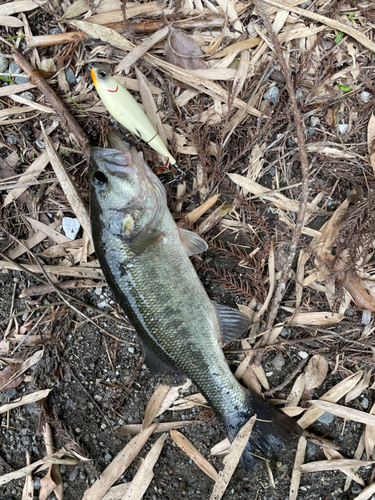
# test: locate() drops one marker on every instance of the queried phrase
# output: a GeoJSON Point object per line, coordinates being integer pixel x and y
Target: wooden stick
{"type": "Point", "coordinates": [48, 40]}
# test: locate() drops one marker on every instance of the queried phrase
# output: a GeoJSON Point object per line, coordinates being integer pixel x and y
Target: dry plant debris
{"type": "Point", "coordinates": [268, 109]}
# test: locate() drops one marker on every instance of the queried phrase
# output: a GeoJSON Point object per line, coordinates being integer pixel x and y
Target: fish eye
{"type": "Point", "coordinates": [100, 178]}
{"type": "Point", "coordinates": [102, 74]}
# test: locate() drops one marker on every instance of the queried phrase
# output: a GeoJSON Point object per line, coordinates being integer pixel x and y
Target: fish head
{"type": "Point", "coordinates": [121, 183]}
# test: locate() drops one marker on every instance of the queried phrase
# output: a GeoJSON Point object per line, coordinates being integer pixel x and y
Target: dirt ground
{"type": "Point", "coordinates": [99, 383]}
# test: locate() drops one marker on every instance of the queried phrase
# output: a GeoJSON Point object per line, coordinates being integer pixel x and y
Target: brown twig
{"type": "Point", "coordinates": [55, 102]}
{"type": "Point", "coordinates": [280, 291]}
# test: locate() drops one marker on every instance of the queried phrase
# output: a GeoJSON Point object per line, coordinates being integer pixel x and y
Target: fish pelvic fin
{"type": "Point", "coordinates": [274, 433]}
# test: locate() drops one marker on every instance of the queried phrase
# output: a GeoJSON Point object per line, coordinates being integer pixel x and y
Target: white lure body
{"type": "Point", "coordinates": [125, 109]}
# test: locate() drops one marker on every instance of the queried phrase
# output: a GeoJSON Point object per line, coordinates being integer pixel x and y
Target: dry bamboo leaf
{"type": "Point", "coordinates": [182, 50]}
{"type": "Point", "coordinates": [221, 448]}
{"type": "Point", "coordinates": [214, 218]}
{"type": "Point", "coordinates": [296, 391]}
{"type": "Point", "coordinates": [316, 372]}
{"type": "Point", "coordinates": [11, 22]}
{"type": "Point", "coordinates": [293, 411]}
{"type": "Point", "coordinates": [28, 399]}
{"type": "Point", "coordinates": [332, 23]}
{"type": "Point", "coordinates": [9, 378]}
{"type": "Point", "coordinates": [345, 412]}
{"type": "Point", "coordinates": [229, 7]}
{"type": "Point", "coordinates": [69, 187]}
{"type": "Point", "coordinates": [194, 454]}
{"type": "Point", "coordinates": [53, 480]}
{"type": "Point", "coordinates": [74, 272]}
{"type": "Point", "coordinates": [141, 49]}
{"type": "Point", "coordinates": [31, 242]}
{"type": "Point", "coordinates": [118, 466]}
{"type": "Point", "coordinates": [143, 478]}
{"type": "Point", "coordinates": [313, 318]}
{"type": "Point", "coordinates": [359, 388]}
{"type": "Point", "coordinates": [241, 73]}
{"type": "Point", "coordinates": [20, 6]}
{"type": "Point", "coordinates": [237, 47]}
{"type": "Point", "coordinates": [322, 465]}
{"type": "Point", "coordinates": [193, 216]}
{"type": "Point", "coordinates": [116, 16]}
{"type": "Point", "coordinates": [15, 89]}
{"type": "Point", "coordinates": [149, 105]}
{"type": "Point", "coordinates": [134, 429]}
{"type": "Point", "coordinates": [300, 274]}
{"type": "Point", "coordinates": [370, 436]}
{"type": "Point", "coordinates": [296, 474]}
{"type": "Point", "coordinates": [48, 231]}
{"type": "Point", "coordinates": [28, 489]}
{"type": "Point", "coordinates": [35, 105]}
{"type": "Point", "coordinates": [105, 34]}
{"type": "Point", "coordinates": [333, 395]}
{"type": "Point", "coordinates": [172, 396]}
{"type": "Point", "coordinates": [116, 492]}
{"type": "Point", "coordinates": [335, 455]}
{"type": "Point", "coordinates": [231, 460]}
{"type": "Point", "coordinates": [189, 402]}
{"type": "Point", "coordinates": [32, 172]}
{"type": "Point", "coordinates": [371, 140]}
{"type": "Point", "coordinates": [154, 404]}
{"type": "Point", "coordinates": [251, 381]}
{"type": "Point", "coordinates": [14, 111]}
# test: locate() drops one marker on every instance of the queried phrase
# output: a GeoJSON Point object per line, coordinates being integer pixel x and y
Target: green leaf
{"type": "Point", "coordinates": [338, 37]}
{"type": "Point", "coordinates": [344, 88]}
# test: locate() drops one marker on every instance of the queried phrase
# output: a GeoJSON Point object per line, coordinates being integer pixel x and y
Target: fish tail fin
{"type": "Point", "coordinates": [273, 431]}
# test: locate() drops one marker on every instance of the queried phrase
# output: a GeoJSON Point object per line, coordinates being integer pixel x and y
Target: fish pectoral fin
{"type": "Point", "coordinates": [193, 243]}
{"type": "Point", "coordinates": [233, 323]}
{"type": "Point", "coordinates": [145, 240]}
{"type": "Point", "coordinates": [155, 363]}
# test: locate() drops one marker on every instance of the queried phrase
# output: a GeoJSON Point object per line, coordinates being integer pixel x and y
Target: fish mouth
{"type": "Point", "coordinates": [110, 162]}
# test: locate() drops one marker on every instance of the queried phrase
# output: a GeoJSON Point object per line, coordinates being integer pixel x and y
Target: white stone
{"type": "Point", "coordinates": [71, 227]}
{"type": "Point", "coordinates": [302, 354]}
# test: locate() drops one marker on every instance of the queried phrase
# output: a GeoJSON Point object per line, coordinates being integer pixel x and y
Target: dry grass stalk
{"type": "Point", "coordinates": [134, 429]}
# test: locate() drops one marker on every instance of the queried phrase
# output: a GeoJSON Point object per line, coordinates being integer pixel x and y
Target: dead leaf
{"type": "Point", "coordinates": [345, 412]}
{"type": "Point", "coordinates": [7, 375]}
{"type": "Point", "coordinates": [322, 465]}
{"type": "Point", "coordinates": [298, 461]}
{"type": "Point", "coordinates": [30, 398]}
{"type": "Point", "coordinates": [182, 51]}
{"type": "Point", "coordinates": [194, 454]}
{"type": "Point", "coordinates": [154, 404]}
{"type": "Point", "coordinates": [47, 485]}
{"type": "Point", "coordinates": [316, 372]}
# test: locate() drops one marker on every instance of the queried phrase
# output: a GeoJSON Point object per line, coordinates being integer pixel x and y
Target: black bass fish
{"type": "Point", "coordinates": [145, 259]}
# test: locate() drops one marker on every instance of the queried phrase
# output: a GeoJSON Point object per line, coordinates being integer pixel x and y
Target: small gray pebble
{"type": "Point", "coordinates": [21, 79]}
{"type": "Point", "coordinates": [326, 418]}
{"type": "Point", "coordinates": [98, 291]}
{"type": "Point", "coordinates": [32, 408]}
{"type": "Point", "coordinates": [299, 94]}
{"type": "Point", "coordinates": [343, 128]}
{"type": "Point", "coordinates": [302, 354]}
{"type": "Point", "coordinates": [315, 121]}
{"type": "Point", "coordinates": [26, 441]}
{"type": "Point", "coordinates": [102, 304]}
{"type": "Point", "coordinates": [73, 475]}
{"type": "Point", "coordinates": [71, 227]}
{"type": "Point", "coordinates": [36, 483]}
{"type": "Point", "coordinates": [271, 94]}
{"type": "Point", "coordinates": [304, 5]}
{"type": "Point", "coordinates": [12, 140]}
{"type": "Point", "coordinates": [14, 69]}
{"type": "Point", "coordinates": [285, 332]}
{"type": "Point", "coordinates": [131, 350]}
{"type": "Point", "coordinates": [62, 469]}
{"type": "Point", "coordinates": [70, 77]}
{"type": "Point", "coordinates": [27, 95]}
{"type": "Point", "coordinates": [39, 143]}
{"type": "Point", "coordinates": [365, 403]}
{"type": "Point", "coordinates": [3, 64]}
{"type": "Point", "coordinates": [55, 31]}
{"type": "Point", "coordinates": [349, 313]}
{"type": "Point", "coordinates": [365, 96]}
{"type": "Point", "coordinates": [108, 457]}
{"type": "Point", "coordinates": [356, 489]}
{"type": "Point", "coordinates": [311, 450]}
{"type": "Point", "coordinates": [272, 171]}
{"type": "Point", "coordinates": [35, 450]}
{"type": "Point", "coordinates": [311, 131]}
{"type": "Point", "coordinates": [10, 394]}
{"type": "Point", "coordinates": [278, 361]}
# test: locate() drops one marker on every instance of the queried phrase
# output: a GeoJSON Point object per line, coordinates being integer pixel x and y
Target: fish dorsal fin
{"type": "Point", "coordinates": [233, 323]}
{"type": "Point", "coordinates": [144, 240]}
{"type": "Point", "coordinates": [155, 363]}
{"type": "Point", "coordinates": [193, 243]}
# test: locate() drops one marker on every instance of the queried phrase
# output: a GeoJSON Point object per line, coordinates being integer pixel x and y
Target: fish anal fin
{"type": "Point", "coordinates": [193, 243]}
{"type": "Point", "coordinates": [233, 323]}
{"type": "Point", "coordinates": [155, 363]}
{"type": "Point", "coordinates": [144, 240]}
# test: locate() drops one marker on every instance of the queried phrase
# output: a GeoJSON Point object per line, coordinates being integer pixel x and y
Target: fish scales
{"type": "Point", "coordinates": [155, 283]}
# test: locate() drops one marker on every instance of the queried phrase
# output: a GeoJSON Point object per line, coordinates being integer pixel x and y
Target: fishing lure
{"type": "Point", "coordinates": [125, 109]}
